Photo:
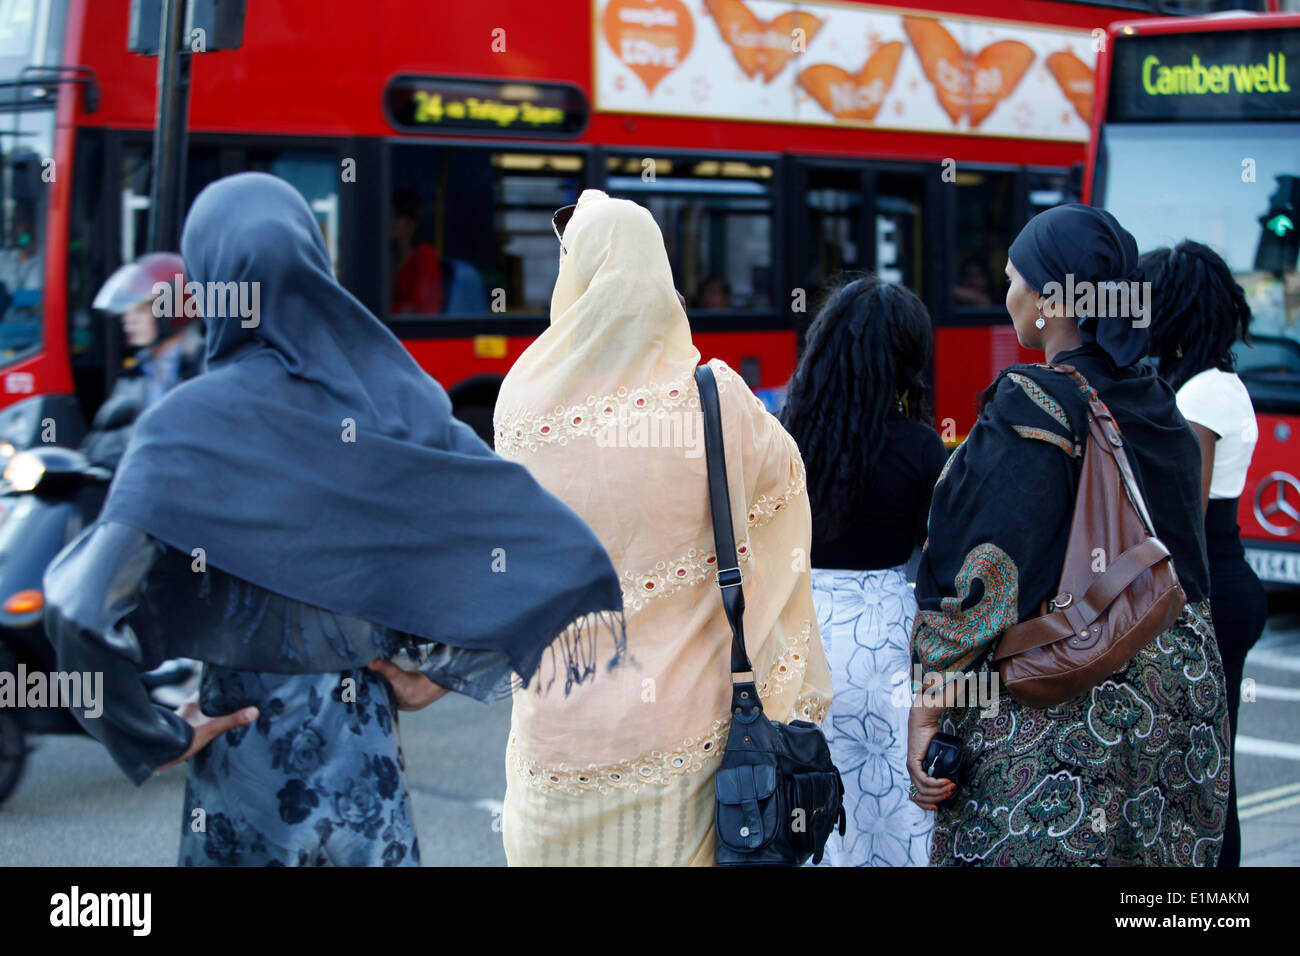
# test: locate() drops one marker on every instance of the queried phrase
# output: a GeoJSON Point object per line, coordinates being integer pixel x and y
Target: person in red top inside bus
{"type": "Point", "coordinates": [417, 270]}
{"type": "Point", "coordinates": [1197, 313]}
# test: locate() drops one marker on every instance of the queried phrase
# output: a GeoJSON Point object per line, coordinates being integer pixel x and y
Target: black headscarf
{"type": "Point", "coordinates": [316, 460]}
{"type": "Point", "coordinates": [1090, 246]}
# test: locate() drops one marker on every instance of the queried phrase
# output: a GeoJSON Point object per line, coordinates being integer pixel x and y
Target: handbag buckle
{"type": "Point", "coordinates": [729, 577]}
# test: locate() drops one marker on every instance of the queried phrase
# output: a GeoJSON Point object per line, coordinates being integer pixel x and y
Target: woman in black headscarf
{"type": "Point", "coordinates": [1136, 770]}
{"type": "Point", "coordinates": [298, 516]}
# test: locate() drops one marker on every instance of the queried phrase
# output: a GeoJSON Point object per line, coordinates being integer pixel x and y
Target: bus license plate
{"type": "Point", "coordinates": [1280, 567]}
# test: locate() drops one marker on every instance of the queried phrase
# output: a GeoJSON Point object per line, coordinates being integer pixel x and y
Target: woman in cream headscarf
{"type": "Point", "coordinates": [604, 412]}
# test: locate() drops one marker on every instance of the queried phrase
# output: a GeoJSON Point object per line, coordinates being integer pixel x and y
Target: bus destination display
{"type": "Point", "coordinates": [1243, 74]}
{"type": "Point", "coordinates": [434, 104]}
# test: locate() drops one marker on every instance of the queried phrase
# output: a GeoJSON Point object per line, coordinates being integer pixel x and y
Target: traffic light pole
{"type": "Point", "coordinates": [171, 131]}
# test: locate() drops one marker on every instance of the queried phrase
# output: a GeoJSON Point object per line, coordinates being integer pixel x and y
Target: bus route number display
{"type": "Point", "coordinates": [1241, 74]}
{"type": "Point", "coordinates": [432, 104]}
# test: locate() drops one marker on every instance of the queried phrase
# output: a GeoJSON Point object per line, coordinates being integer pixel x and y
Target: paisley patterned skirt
{"type": "Point", "coordinates": [1133, 773]}
{"type": "Point", "coordinates": [317, 780]}
{"type": "Point", "coordinates": [865, 619]}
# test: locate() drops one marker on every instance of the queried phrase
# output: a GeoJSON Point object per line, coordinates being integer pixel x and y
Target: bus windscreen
{"type": "Point", "coordinates": [1234, 186]}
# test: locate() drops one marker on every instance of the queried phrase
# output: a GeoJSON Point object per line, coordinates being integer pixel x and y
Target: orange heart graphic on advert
{"type": "Point", "coordinates": [849, 97]}
{"type": "Point", "coordinates": [995, 73]}
{"type": "Point", "coordinates": [1075, 79]}
{"type": "Point", "coordinates": [967, 85]}
{"type": "Point", "coordinates": [761, 46]}
{"type": "Point", "coordinates": [652, 37]}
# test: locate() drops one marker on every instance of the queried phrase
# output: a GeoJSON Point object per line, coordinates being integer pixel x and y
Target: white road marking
{"type": "Point", "coordinates": [1259, 747]}
{"type": "Point", "coordinates": [1271, 794]}
{"type": "Point", "coordinates": [1274, 660]}
{"type": "Point", "coordinates": [1272, 807]}
{"type": "Point", "coordinates": [1270, 692]}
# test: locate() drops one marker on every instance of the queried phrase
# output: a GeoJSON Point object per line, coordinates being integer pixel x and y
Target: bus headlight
{"type": "Point", "coordinates": [24, 472]}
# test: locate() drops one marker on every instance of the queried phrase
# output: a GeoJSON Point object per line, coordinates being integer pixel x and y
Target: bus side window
{"type": "Point", "coordinates": [417, 268]}
{"type": "Point", "coordinates": [716, 217]}
{"type": "Point", "coordinates": [986, 224]}
{"type": "Point", "coordinates": [203, 166]}
{"type": "Point", "coordinates": [314, 174]}
{"type": "Point", "coordinates": [470, 229]}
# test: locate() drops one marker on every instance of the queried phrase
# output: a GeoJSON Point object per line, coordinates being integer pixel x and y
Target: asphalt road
{"type": "Point", "coordinates": [73, 807]}
{"type": "Point", "coordinates": [1268, 742]}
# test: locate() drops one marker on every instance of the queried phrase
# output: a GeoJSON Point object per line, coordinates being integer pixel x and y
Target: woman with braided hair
{"type": "Point", "coordinates": [857, 408]}
{"type": "Point", "coordinates": [1197, 312]}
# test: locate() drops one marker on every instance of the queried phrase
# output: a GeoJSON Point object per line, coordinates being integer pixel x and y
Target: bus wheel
{"type": "Point", "coordinates": [479, 418]}
{"type": "Point", "coordinates": [473, 401]}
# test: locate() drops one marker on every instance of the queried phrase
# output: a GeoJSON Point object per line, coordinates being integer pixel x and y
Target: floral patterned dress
{"type": "Point", "coordinates": [318, 779]}
{"type": "Point", "coordinates": [865, 619]}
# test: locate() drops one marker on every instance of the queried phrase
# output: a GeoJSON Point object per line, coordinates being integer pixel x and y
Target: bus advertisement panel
{"type": "Point", "coordinates": [836, 64]}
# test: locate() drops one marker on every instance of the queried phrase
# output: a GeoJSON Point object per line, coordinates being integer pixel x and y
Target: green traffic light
{"type": "Point", "coordinates": [1279, 225]}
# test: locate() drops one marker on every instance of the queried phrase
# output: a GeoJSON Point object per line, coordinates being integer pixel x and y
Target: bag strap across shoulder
{"type": "Point", "coordinates": [1101, 420]}
{"type": "Point", "coordinates": [724, 537]}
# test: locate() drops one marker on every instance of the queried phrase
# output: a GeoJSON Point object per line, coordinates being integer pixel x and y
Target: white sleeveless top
{"type": "Point", "coordinates": [1219, 401]}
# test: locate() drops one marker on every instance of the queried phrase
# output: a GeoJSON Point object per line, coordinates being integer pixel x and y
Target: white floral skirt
{"type": "Point", "coordinates": [865, 619]}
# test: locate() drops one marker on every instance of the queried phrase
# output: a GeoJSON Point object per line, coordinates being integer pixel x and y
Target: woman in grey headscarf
{"type": "Point", "coordinates": [297, 516]}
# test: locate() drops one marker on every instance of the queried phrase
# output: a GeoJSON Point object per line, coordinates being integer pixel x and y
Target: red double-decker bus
{"type": "Point", "coordinates": [775, 143]}
{"type": "Point", "coordinates": [1198, 136]}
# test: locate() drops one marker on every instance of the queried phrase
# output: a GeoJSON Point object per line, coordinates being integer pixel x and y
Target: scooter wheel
{"type": "Point", "coordinates": [13, 753]}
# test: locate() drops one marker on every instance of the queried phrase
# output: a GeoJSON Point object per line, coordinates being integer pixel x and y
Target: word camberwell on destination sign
{"type": "Point", "coordinates": [1196, 79]}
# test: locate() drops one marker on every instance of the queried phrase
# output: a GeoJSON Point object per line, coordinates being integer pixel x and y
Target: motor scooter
{"type": "Point", "coordinates": [47, 495]}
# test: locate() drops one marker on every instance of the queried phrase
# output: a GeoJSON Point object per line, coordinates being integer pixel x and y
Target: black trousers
{"type": "Point", "coordinates": [1239, 609]}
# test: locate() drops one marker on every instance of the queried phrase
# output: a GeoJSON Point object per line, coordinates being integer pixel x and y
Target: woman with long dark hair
{"type": "Point", "coordinates": [1197, 313]}
{"type": "Point", "coordinates": [857, 408]}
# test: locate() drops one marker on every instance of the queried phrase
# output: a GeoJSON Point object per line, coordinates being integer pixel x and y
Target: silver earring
{"type": "Point", "coordinates": [1040, 321]}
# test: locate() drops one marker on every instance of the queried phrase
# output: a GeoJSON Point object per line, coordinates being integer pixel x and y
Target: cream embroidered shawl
{"type": "Point", "coordinates": [603, 410]}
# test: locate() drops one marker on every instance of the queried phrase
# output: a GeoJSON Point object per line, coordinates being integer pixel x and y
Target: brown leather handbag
{"type": "Point", "coordinates": [1118, 587]}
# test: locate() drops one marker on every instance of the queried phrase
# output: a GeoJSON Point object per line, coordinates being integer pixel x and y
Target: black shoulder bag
{"type": "Point", "coordinates": [779, 795]}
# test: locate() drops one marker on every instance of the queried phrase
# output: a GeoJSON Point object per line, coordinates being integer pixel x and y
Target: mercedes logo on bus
{"type": "Point", "coordinates": [1278, 496]}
